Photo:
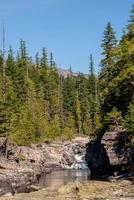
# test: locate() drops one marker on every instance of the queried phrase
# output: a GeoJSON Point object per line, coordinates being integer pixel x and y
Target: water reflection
{"type": "Point", "coordinates": [59, 178]}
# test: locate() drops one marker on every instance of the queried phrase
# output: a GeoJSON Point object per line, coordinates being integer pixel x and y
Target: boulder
{"type": "Point", "coordinates": [118, 149]}
{"type": "Point", "coordinates": [112, 154]}
{"type": "Point", "coordinates": [5, 185]}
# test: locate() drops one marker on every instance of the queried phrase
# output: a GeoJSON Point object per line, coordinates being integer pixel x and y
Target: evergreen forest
{"type": "Point", "coordinates": [38, 103]}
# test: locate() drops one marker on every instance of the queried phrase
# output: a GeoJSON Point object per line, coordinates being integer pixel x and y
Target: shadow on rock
{"type": "Point", "coordinates": [111, 154]}
{"type": "Point", "coordinates": [97, 158]}
{"type": "Point", "coordinates": [123, 148]}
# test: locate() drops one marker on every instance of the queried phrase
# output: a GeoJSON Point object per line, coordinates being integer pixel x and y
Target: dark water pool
{"type": "Point", "coordinates": [62, 177]}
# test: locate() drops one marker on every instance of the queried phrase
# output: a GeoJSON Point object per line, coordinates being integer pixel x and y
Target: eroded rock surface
{"type": "Point", "coordinates": [117, 147]}
{"type": "Point", "coordinates": [22, 170]}
{"type": "Point", "coordinates": [111, 154]}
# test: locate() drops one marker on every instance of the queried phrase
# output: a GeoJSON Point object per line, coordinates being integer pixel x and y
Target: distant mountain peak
{"type": "Point", "coordinates": [66, 72]}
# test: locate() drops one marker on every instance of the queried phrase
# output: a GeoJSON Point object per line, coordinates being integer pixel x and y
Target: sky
{"type": "Point", "coordinates": [71, 29]}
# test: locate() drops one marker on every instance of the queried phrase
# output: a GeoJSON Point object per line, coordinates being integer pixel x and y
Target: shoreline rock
{"type": "Point", "coordinates": [24, 167]}
{"type": "Point", "coordinates": [111, 155]}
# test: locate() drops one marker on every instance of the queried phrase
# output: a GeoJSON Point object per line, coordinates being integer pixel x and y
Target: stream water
{"type": "Point", "coordinates": [77, 171]}
{"type": "Point", "coordinates": [62, 177]}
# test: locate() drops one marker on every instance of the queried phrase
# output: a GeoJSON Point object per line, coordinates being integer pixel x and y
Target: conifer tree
{"type": "Point", "coordinates": [44, 59]}
{"type": "Point", "coordinates": [52, 63]}
{"type": "Point", "coordinates": [131, 23]}
{"type": "Point", "coordinates": [108, 71]}
{"type": "Point", "coordinates": [132, 14]}
{"type": "Point", "coordinates": [78, 114]}
{"type": "Point", "coordinates": [54, 129]}
{"type": "Point", "coordinates": [83, 95]}
{"type": "Point", "coordinates": [92, 79]}
{"type": "Point", "coordinates": [109, 43]}
{"type": "Point", "coordinates": [37, 60]}
{"type": "Point", "coordinates": [23, 52]}
{"type": "Point", "coordinates": [69, 94]}
{"type": "Point", "coordinates": [91, 83]}
{"type": "Point", "coordinates": [21, 75]}
{"type": "Point", "coordinates": [11, 69]}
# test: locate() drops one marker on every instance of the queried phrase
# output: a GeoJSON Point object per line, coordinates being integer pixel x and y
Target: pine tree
{"type": "Point", "coordinates": [4, 126]}
{"type": "Point", "coordinates": [78, 114]}
{"type": "Point", "coordinates": [132, 15]}
{"type": "Point", "coordinates": [37, 60]}
{"type": "Point", "coordinates": [44, 59]}
{"type": "Point", "coordinates": [69, 94]}
{"type": "Point", "coordinates": [92, 79]}
{"type": "Point", "coordinates": [131, 23]}
{"type": "Point", "coordinates": [52, 63]}
{"type": "Point", "coordinates": [11, 69]}
{"type": "Point", "coordinates": [23, 132]}
{"type": "Point", "coordinates": [70, 124]}
{"type": "Point", "coordinates": [108, 68]}
{"type": "Point", "coordinates": [60, 97]}
{"type": "Point", "coordinates": [83, 95]}
{"type": "Point", "coordinates": [108, 44]}
{"type": "Point", "coordinates": [93, 97]}
{"type": "Point", "coordinates": [54, 129]}
{"type": "Point", "coordinates": [23, 52]}
{"type": "Point", "coordinates": [107, 63]}
{"type": "Point", "coordinates": [7, 107]}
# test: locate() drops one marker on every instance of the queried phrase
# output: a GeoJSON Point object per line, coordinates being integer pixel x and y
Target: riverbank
{"type": "Point", "coordinates": [22, 170]}
{"type": "Point", "coordinates": [90, 190]}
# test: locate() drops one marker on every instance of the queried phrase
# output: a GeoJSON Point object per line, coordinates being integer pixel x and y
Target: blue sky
{"type": "Point", "coordinates": [71, 29]}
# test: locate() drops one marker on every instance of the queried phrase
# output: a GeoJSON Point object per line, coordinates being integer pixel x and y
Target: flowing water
{"type": "Point", "coordinates": [77, 172]}
{"type": "Point", "coordinates": [62, 177]}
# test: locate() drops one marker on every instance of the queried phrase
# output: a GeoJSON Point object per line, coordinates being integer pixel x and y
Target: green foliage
{"type": "Point", "coordinates": [37, 103]}
{"type": "Point", "coordinates": [54, 128]}
{"type": "Point", "coordinates": [43, 60]}
{"type": "Point", "coordinates": [22, 157]}
{"type": "Point", "coordinates": [116, 84]}
{"type": "Point", "coordinates": [40, 104]}
{"type": "Point", "coordinates": [97, 122]}
{"type": "Point", "coordinates": [129, 118]}
{"type": "Point", "coordinates": [131, 23]}
{"type": "Point", "coordinates": [52, 62]}
{"type": "Point", "coordinates": [114, 118]}
{"type": "Point", "coordinates": [78, 115]}
{"type": "Point", "coordinates": [93, 99]}
{"type": "Point", "coordinates": [67, 133]}
{"type": "Point", "coordinates": [108, 45]}
{"type": "Point", "coordinates": [23, 134]}
{"type": "Point", "coordinates": [107, 63]}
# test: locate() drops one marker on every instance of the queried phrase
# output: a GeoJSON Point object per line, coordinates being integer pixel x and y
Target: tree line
{"type": "Point", "coordinates": [38, 103]}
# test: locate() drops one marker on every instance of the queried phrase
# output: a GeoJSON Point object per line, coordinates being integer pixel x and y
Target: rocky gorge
{"type": "Point", "coordinates": [22, 169]}
{"type": "Point", "coordinates": [109, 158]}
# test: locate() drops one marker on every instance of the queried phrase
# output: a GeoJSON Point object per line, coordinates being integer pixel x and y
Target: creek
{"type": "Point", "coordinates": [59, 178]}
{"type": "Point", "coordinates": [78, 171]}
